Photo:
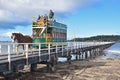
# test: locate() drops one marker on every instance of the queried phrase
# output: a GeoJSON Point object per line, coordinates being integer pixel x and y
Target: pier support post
{"type": "Point", "coordinates": [15, 69]}
{"type": "Point", "coordinates": [69, 58]}
{"type": "Point", "coordinates": [94, 52]}
{"type": "Point", "coordinates": [48, 67]}
{"type": "Point", "coordinates": [90, 53]}
{"type": "Point", "coordinates": [98, 51]}
{"type": "Point", "coordinates": [82, 55]}
{"type": "Point", "coordinates": [79, 55]}
{"type": "Point", "coordinates": [86, 55]}
{"type": "Point", "coordinates": [51, 64]}
{"type": "Point", "coordinates": [76, 57]}
{"type": "Point", "coordinates": [33, 67]}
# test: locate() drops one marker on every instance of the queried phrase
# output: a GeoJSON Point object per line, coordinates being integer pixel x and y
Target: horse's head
{"type": "Point", "coordinates": [16, 37]}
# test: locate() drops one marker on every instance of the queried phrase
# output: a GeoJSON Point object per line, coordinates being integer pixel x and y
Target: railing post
{"type": "Point", "coordinates": [74, 47]}
{"type": "Point", "coordinates": [67, 49]}
{"type": "Point", "coordinates": [0, 49]}
{"type": "Point", "coordinates": [26, 51]}
{"type": "Point", "coordinates": [71, 49]}
{"type": "Point", "coordinates": [56, 48]}
{"type": "Point", "coordinates": [16, 47]}
{"type": "Point", "coordinates": [9, 57]}
{"type": "Point", "coordinates": [39, 52]}
{"type": "Point", "coordinates": [81, 45]}
{"type": "Point", "coordinates": [62, 49]}
{"type": "Point", "coordinates": [49, 50]}
{"type": "Point", "coordinates": [13, 47]}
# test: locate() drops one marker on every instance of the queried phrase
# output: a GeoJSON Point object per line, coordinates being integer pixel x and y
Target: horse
{"type": "Point", "coordinates": [20, 38]}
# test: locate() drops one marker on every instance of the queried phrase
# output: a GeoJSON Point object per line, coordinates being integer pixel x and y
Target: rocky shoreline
{"type": "Point", "coordinates": [78, 70]}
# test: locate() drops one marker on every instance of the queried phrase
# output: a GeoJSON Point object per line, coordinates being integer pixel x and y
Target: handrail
{"type": "Point", "coordinates": [11, 53]}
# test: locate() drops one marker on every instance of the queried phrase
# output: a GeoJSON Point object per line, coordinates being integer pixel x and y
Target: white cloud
{"type": "Point", "coordinates": [20, 12]}
{"type": "Point", "coordinates": [9, 16]}
{"type": "Point", "coordinates": [14, 12]}
{"type": "Point", "coordinates": [25, 30]}
{"type": "Point", "coordinates": [7, 34]}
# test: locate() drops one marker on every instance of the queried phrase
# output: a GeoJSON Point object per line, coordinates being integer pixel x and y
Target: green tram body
{"type": "Point", "coordinates": [52, 33]}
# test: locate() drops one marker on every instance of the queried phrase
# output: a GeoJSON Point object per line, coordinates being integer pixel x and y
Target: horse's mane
{"type": "Point", "coordinates": [21, 34]}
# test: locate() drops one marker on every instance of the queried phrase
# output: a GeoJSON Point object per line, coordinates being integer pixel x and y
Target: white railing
{"type": "Point", "coordinates": [74, 45]}
{"type": "Point", "coordinates": [8, 50]}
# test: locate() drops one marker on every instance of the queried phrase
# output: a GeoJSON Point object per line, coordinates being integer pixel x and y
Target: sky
{"type": "Point", "coordinates": [84, 18]}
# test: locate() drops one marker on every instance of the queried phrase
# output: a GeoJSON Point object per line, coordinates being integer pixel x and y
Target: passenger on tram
{"type": "Point", "coordinates": [51, 15]}
{"type": "Point", "coordinates": [45, 20]}
{"type": "Point", "coordinates": [38, 18]}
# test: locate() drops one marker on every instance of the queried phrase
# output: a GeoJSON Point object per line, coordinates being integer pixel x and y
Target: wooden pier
{"type": "Point", "coordinates": [12, 62]}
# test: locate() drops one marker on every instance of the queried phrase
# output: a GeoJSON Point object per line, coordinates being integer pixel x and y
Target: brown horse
{"type": "Point", "coordinates": [19, 38]}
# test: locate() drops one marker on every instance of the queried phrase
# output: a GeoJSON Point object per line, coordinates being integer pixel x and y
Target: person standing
{"type": "Point", "coordinates": [51, 15]}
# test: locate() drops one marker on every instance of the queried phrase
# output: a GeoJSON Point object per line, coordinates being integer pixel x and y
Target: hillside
{"type": "Point", "coordinates": [99, 38]}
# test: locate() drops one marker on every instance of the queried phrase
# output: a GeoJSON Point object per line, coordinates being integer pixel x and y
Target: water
{"type": "Point", "coordinates": [4, 48]}
{"type": "Point", "coordinates": [112, 52]}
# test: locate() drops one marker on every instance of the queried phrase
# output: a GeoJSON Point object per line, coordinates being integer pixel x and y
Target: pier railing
{"type": "Point", "coordinates": [8, 52]}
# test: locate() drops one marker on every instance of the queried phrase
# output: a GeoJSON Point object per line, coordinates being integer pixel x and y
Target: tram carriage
{"type": "Point", "coordinates": [48, 31]}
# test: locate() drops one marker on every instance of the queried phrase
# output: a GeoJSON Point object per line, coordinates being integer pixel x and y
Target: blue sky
{"type": "Point", "coordinates": [84, 18]}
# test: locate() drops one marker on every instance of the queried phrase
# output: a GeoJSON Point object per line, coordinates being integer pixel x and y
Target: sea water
{"type": "Point", "coordinates": [112, 52]}
{"type": "Point", "coordinates": [4, 48]}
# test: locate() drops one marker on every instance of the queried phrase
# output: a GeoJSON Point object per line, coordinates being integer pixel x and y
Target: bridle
{"type": "Point", "coordinates": [13, 37]}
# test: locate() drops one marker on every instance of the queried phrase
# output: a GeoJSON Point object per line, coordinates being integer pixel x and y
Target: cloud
{"type": "Point", "coordinates": [7, 34]}
{"type": "Point", "coordinates": [20, 12]}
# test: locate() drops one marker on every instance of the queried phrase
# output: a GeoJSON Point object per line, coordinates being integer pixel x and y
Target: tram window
{"type": "Point", "coordinates": [53, 34]}
{"type": "Point", "coordinates": [44, 35]}
{"type": "Point", "coordinates": [56, 34]}
{"type": "Point", "coordinates": [48, 34]}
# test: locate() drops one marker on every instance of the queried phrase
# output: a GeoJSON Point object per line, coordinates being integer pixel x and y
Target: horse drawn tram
{"type": "Point", "coordinates": [48, 30]}
{"type": "Point", "coordinates": [48, 35]}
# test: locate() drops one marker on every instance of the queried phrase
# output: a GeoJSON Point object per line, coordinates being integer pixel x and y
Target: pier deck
{"type": "Point", "coordinates": [12, 62]}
